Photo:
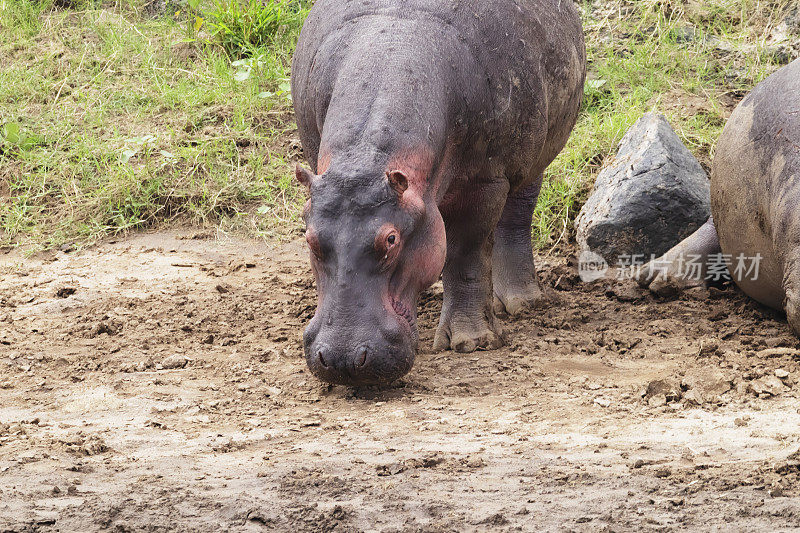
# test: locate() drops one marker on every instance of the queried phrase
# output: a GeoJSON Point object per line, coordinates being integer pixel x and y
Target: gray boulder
{"type": "Point", "coordinates": [653, 195]}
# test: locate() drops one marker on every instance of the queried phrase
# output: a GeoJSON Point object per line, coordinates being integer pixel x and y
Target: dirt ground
{"type": "Point", "coordinates": [157, 384]}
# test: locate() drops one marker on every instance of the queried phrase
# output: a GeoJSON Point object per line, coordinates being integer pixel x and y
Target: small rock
{"type": "Point", "coordinates": [685, 34]}
{"type": "Point", "coordinates": [708, 348]}
{"type": "Point", "coordinates": [792, 21]}
{"type": "Point", "coordinates": [45, 518]}
{"type": "Point", "coordinates": [602, 402]}
{"type": "Point", "coordinates": [260, 517]}
{"type": "Point", "coordinates": [711, 383]}
{"type": "Point", "coordinates": [778, 352]}
{"type": "Point", "coordinates": [658, 400]}
{"type": "Point", "coordinates": [390, 470]}
{"type": "Point", "coordinates": [781, 373]}
{"type": "Point", "coordinates": [663, 472]}
{"type": "Point", "coordinates": [694, 397]}
{"type": "Point", "coordinates": [272, 391]}
{"type": "Point", "coordinates": [769, 385]}
{"type": "Point", "coordinates": [174, 362]}
{"type": "Point", "coordinates": [65, 292]}
{"type": "Point", "coordinates": [94, 445]}
{"type": "Point", "coordinates": [786, 467]}
{"type": "Point", "coordinates": [108, 328]}
{"type": "Point", "coordinates": [666, 388]}
{"type": "Point", "coordinates": [626, 292]}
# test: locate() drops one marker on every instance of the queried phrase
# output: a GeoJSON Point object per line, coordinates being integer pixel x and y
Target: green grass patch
{"type": "Point", "coordinates": [126, 114]}
{"type": "Point", "coordinates": [244, 28]}
{"type": "Point", "coordinates": [114, 119]}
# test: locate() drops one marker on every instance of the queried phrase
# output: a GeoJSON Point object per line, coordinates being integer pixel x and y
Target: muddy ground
{"type": "Point", "coordinates": [157, 384]}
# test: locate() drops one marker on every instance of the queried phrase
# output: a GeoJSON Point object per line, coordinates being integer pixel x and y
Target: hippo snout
{"type": "Point", "coordinates": [342, 360]}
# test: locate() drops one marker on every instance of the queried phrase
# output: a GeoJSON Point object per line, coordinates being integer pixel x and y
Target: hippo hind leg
{"type": "Point", "coordinates": [683, 266]}
{"type": "Point", "coordinates": [792, 288]}
{"type": "Point", "coordinates": [516, 287]}
{"type": "Point", "coordinates": [468, 322]}
{"type": "Point", "coordinates": [793, 313]}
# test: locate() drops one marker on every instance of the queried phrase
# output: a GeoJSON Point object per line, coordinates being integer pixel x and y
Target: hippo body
{"type": "Point", "coordinates": [755, 199]}
{"type": "Point", "coordinates": [428, 125]}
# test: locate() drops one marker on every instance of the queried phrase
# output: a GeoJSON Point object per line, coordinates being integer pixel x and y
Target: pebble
{"type": "Point", "coordinates": [173, 362]}
{"type": "Point", "coordinates": [694, 397]}
{"type": "Point", "coordinates": [602, 402]}
{"type": "Point", "coordinates": [781, 373]}
{"type": "Point", "coordinates": [768, 385]}
{"type": "Point", "coordinates": [658, 400]}
{"type": "Point", "coordinates": [272, 391]}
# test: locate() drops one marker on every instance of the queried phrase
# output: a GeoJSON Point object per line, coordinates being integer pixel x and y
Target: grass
{"type": "Point", "coordinates": [117, 118]}
{"type": "Point", "coordinates": [139, 121]}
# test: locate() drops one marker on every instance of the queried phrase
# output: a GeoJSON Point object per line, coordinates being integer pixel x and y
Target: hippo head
{"type": "Point", "coordinates": [374, 246]}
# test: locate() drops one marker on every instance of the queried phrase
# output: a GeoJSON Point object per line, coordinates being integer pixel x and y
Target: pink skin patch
{"type": "Point", "coordinates": [323, 162]}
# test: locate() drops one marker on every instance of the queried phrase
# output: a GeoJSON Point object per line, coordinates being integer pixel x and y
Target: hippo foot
{"type": "Point", "coordinates": [667, 281]}
{"type": "Point", "coordinates": [514, 300]}
{"type": "Point", "coordinates": [466, 335]}
{"type": "Point", "coordinates": [665, 278]}
{"type": "Point", "coordinates": [682, 267]}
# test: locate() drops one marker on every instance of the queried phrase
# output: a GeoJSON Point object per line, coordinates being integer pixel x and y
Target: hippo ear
{"type": "Point", "coordinates": [304, 176]}
{"type": "Point", "coordinates": [398, 182]}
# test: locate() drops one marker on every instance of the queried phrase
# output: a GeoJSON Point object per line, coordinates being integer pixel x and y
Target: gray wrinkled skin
{"type": "Point", "coordinates": [755, 188]}
{"type": "Point", "coordinates": [755, 195]}
{"type": "Point", "coordinates": [470, 101]}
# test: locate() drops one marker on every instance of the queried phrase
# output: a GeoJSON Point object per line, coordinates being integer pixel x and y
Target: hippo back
{"type": "Point", "coordinates": [516, 66]}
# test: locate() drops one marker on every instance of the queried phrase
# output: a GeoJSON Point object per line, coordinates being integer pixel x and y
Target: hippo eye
{"type": "Point", "coordinates": [387, 242]}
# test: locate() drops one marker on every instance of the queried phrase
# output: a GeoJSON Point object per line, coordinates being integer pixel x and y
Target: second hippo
{"type": "Point", "coordinates": [755, 203]}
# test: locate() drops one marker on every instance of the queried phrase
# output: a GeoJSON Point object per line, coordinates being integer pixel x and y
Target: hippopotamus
{"type": "Point", "coordinates": [755, 203]}
{"type": "Point", "coordinates": [427, 125]}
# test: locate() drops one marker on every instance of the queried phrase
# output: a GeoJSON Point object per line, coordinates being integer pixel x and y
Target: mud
{"type": "Point", "coordinates": [157, 384]}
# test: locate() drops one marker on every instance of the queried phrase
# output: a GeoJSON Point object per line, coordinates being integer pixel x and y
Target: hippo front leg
{"type": "Point", "coordinates": [516, 286]}
{"type": "Point", "coordinates": [671, 271]}
{"type": "Point", "coordinates": [468, 322]}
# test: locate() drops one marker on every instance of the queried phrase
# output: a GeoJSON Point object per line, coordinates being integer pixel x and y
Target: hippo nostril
{"type": "Point", "coordinates": [321, 357]}
{"type": "Point", "coordinates": [361, 360]}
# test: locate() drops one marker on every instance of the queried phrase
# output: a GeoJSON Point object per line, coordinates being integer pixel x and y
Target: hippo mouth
{"type": "Point", "coordinates": [404, 313]}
